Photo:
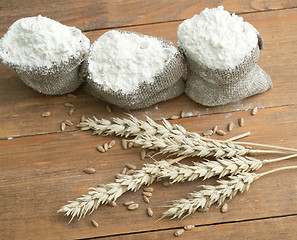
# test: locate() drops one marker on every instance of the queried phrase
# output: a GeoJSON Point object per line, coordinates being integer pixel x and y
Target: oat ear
{"type": "Point", "coordinates": [260, 42]}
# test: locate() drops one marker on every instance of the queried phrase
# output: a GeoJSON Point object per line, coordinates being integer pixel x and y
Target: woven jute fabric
{"type": "Point", "coordinates": [166, 85]}
{"type": "Point", "coordinates": [213, 87]}
{"type": "Point", "coordinates": [58, 79]}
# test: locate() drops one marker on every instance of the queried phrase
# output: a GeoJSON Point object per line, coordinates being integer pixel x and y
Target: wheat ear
{"type": "Point", "coordinates": [159, 170]}
{"type": "Point", "coordinates": [208, 195]}
{"type": "Point", "coordinates": [135, 127]}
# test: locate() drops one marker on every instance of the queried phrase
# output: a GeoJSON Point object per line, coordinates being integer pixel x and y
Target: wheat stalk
{"type": "Point", "coordinates": [208, 195]}
{"type": "Point", "coordinates": [159, 170]}
{"type": "Point", "coordinates": [185, 146]}
{"type": "Point", "coordinates": [137, 128]}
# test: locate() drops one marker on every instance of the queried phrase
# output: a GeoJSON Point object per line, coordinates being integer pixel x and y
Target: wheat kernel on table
{"type": "Point", "coordinates": [214, 129]}
{"type": "Point", "coordinates": [230, 126]}
{"type": "Point", "coordinates": [189, 227]}
{"type": "Point", "coordinates": [45, 114]}
{"type": "Point", "coordinates": [142, 154]}
{"type": "Point", "coordinates": [100, 149]}
{"type": "Point", "coordinates": [207, 133]}
{"type": "Point", "coordinates": [130, 166]}
{"type": "Point", "coordinates": [148, 189]}
{"type": "Point", "coordinates": [90, 170]}
{"type": "Point", "coordinates": [130, 144]}
{"type": "Point", "coordinates": [70, 95]}
{"type": "Point", "coordinates": [179, 232]}
{"type": "Point", "coordinates": [63, 126]}
{"type": "Point", "coordinates": [111, 144]}
{"type": "Point", "coordinates": [68, 105]}
{"type": "Point", "coordinates": [124, 171]}
{"type": "Point", "coordinates": [224, 208]}
{"type": "Point", "coordinates": [148, 194]}
{"type": "Point", "coordinates": [221, 132]}
{"type": "Point", "coordinates": [108, 108]}
{"type": "Point", "coordinates": [149, 212]}
{"type": "Point", "coordinates": [133, 206]}
{"type": "Point", "coordinates": [124, 144]}
{"type": "Point", "coordinates": [241, 122]}
{"type": "Point", "coordinates": [182, 114]}
{"type": "Point", "coordinates": [173, 117]}
{"type": "Point", "coordinates": [105, 146]}
{"type": "Point", "coordinates": [112, 204]}
{"type": "Point", "coordinates": [130, 172]}
{"type": "Point", "coordinates": [68, 122]}
{"type": "Point", "coordinates": [71, 111]}
{"type": "Point", "coordinates": [145, 199]}
{"type": "Point", "coordinates": [94, 223]}
{"type": "Point", "coordinates": [254, 111]}
{"type": "Point", "coordinates": [166, 184]}
{"type": "Point", "coordinates": [127, 203]}
{"type": "Point", "coordinates": [83, 118]}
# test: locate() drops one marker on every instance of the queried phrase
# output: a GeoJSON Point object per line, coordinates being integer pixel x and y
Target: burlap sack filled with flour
{"type": "Point", "coordinates": [45, 54]}
{"type": "Point", "coordinates": [213, 86]}
{"type": "Point", "coordinates": [167, 83]}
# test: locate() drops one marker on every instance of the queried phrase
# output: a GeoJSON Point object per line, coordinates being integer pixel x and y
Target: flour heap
{"type": "Point", "coordinates": [221, 52]}
{"type": "Point", "coordinates": [122, 61]}
{"type": "Point", "coordinates": [41, 42]}
{"type": "Point", "coordinates": [217, 39]}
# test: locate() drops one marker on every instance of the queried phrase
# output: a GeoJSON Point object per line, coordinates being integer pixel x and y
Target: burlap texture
{"type": "Point", "coordinates": [167, 85]}
{"type": "Point", "coordinates": [213, 87]}
{"type": "Point", "coordinates": [59, 79]}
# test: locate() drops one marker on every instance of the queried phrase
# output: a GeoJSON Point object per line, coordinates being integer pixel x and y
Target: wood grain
{"type": "Point", "coordinates": [264, 229]}
{"type": "Point", "coordinates": [40, 173]}
{"type": "Point", "coordinates": [21, 107]}
{"type": "Point", "coordinates": [92, 14]}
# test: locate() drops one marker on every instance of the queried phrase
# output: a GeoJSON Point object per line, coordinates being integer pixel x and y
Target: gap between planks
{"type": "Point", "coordinates": [156, 120]}
{"type": "Point", "coordinates": [177, 20]}
{"type": "Point", "coordinates": [196, 226]}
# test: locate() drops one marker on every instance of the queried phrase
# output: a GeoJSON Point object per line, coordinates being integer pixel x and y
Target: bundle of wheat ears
{"type": "Point", "coordinates": [228, 158]}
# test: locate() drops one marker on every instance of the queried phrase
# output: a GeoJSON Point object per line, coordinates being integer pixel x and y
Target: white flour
{"type": "Point", "coordinates": [41, 42]}
{"type": "Point", "coordinates": [121, 61]}
{"type": "Point", "coordinates": [216, 38]}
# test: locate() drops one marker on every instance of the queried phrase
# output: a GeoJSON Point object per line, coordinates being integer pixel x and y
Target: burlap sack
{"type": "Point", "coordinates": [59, 79]}
{"type": "Point", "coordinates": [213, 87]}
{"type": "Point", "coordinates": [167, 85]}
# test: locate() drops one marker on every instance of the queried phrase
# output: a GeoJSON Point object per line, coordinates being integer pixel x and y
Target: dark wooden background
{"type": "Point", "coordinates": [42, 167]}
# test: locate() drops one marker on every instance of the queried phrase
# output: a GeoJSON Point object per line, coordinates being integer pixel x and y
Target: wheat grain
{"type": "Point", "coordinates": [149, 212]}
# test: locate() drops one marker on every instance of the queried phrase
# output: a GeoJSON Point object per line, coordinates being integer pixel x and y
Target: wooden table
{"type": "Point", "coordinates": [42, 167]}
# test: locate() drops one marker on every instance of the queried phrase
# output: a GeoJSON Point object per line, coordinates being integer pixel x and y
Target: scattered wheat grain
{"type": "Point", "coordinates": [254, 111]}
{"type": "Point", "coordinates": [68, 105]}
{"type": "Point", "coordinates": [130, 144]}
{"type": "Point", "coordinates": [148, 194]}
{"type": "Point", "coordinates": [127, 203]}
{"type": "Point", "coordinates": [71, 111]}
{"type": "Point", "coordinates": [112, 204]}
{"type": "Point", "coordinates": [189, 227]}
{"type": "Point", "coordinates": [230, 126]}
{"type": "Point", "coordinates": [133, 206]}
{"type": "Point", "coordinates": [45, 114]}
{"type": "Point", "coordinates": [145, 199]}
{"type": "Point", "coordinates": [182, 114]}
{"type": "Point", "coordinates": [124, 171]}
{"type": "Point", "coordinates": [63, 126]}
{"type": "Point", "coordinates": [179, 232]}
{"type": "Point", "coordinates": [224, 208]}
{"type": "Point", "coordinates": [105, 146]}
{"type": "Point", "coordinates": [130, 172]}
{"type": "Point", "coordinates": [70, 95]}
{"type": "Point", "coordinates": [108, 108]}
{"type": "Point", "coordinates": [142, 154]}
{"type": "Point", "coordinates": [100, 149]}
{"type": "Point", "coordinates": [124, 144]}
{"type": "Point", "coordinates": [174, 117]}
{"type": "Point", "coordinates": [83, 118]}
{"type": "Point", "coordinates": [148, 189]}
{"type": "Point", "coordinates": [215, 128]}
{"type": "Point", "coordinates": [149, 212]}
{"type": "Point", "coordinates": [90, 170]}
{"type": "Point", "coordinates": [207, 133]}
{"type": "Point", "coordinates": [94, 223]}
{"type": "Point", "coordinates": [221, 132]}
{"type": "Point", "coordinates": [68, 122]}
{"type": "Point", "coordinates": [130, 166]}
{"type": "Point", "coordinates": [111, 144]}
{"type": "Point", "coordinates": [241, 122]}
{"type": "Point", "coordinates": [166, 184]}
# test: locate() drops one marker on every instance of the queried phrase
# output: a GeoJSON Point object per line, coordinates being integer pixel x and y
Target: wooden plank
{"type": "Point", "coordinates": [21, 106]}
{"type": "Point", "coordinates": [266, 229]}
{"type": "Point", "coordinates": [40, 173]}
{"type": "Point", "coordinates": [91, 14]}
